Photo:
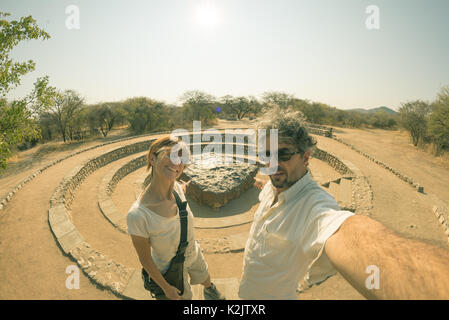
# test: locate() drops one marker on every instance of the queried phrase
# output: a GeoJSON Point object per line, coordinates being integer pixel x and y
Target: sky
{"type": "Point", "coordinates": [334, 52]}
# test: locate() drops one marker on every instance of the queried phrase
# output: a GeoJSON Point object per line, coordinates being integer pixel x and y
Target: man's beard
{"type": "Point", "coordinates": [282, 181]}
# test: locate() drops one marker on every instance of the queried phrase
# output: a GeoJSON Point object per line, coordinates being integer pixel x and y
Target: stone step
{"type": "Point", "coordinates": [318, 177]}
{"type": "Point", "coordinates": [334, 190]}
{"type": "Point", "coordinates": [229, 286]}
{"type": "Point", "coordinates": [345, 192]}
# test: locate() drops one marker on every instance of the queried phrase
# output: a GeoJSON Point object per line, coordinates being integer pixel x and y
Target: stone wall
{"type": "Point", "coordinates": [19, 186]}
{"type": "Point", "coordinates": [319, 130]}
{"type": "Point", "coordinates": [128, 168]}
{"type": "Point", "coordinates": [106, 188]}
{"type": "Point", "coordinates": [332, 160]}
{"type": "Point", "coordinates": [65, 192]}
{"type": "Point", "coordinates": [362, 194]}
{"type": "Point", "coordinates": [106, 272]}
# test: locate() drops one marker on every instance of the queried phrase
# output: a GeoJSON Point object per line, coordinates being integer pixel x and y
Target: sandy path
{"type": "Point", "coordinates": [396, 204]}
{"type": "Point", "coordinates": [395, 149]}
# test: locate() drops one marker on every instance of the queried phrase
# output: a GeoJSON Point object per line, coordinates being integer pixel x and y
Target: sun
{"type": "Point", "coordinates": [207, 15]}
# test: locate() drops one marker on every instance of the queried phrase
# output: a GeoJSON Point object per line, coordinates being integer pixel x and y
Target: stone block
{"type": "Point", "coordinates": [57, 214]}
{"type": "Point", "coordinates": [62, 228]}
{"type": "Point", "coordinates": [70, 240]}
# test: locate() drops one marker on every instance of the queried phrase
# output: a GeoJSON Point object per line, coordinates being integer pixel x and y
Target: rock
{"type": "Point", "coordinates": [215, 184]}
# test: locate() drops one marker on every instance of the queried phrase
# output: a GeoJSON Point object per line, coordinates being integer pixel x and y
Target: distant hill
{"type": "Point", "coordinates": [386, 109]}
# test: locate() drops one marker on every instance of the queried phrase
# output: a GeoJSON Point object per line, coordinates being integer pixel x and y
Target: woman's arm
{"type": "Point", "coordinates": [143, 249]}
{"type": "Point", "coordinates": [407, 269]}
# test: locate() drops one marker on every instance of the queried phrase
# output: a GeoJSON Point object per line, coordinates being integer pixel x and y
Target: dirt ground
{"type": "Point", "coordinates": [395, 148]}
{"type": "Point", "coordinates": [33, 267]}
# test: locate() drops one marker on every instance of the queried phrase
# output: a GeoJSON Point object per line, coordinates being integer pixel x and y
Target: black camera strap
{"type": "Point", "coordinates": [182, 206]}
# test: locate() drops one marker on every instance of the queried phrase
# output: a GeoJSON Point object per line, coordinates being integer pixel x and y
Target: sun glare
{"type": "Point", "coordinates": [206, 15]}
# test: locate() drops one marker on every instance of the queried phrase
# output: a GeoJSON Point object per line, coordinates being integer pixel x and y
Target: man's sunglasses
{"type": "Point", "coordinates": [283, 154]}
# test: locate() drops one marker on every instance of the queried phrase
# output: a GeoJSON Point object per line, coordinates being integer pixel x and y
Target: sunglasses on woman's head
{"type": "Point", "coordinates": [183, 154]}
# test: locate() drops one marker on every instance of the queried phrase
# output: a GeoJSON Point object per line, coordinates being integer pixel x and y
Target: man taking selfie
{"type": "Point", "coordinates": [299, 230]}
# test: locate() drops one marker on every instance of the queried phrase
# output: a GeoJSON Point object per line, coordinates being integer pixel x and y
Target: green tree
{"type": "Point", "coordinates": [47, 127]}
{"type": "Point", "coordinates": [281, 99]}
{"type": "Point", "coordinates": [102, 117]}
{"type": "Point", "coordinates": [314, 113]}
{"type": "Point", "coordinates": [413, 117]}
{"type": "Point", "coordinates": [64, 108]}
{"type": "Point", "coordinates": [17, 118]}
{"type": "Point", "coordinates": [439, 121]}
{"type": "Point", "coordinates": [143, 114]}
{"type": "Point", "coordinates": [199, 105]}
{"type": "Point", "coordinates": [354, 119]}
{"type": "Point", "coordinates": [381, 119]}
{"type": "Point", "coordinates": [240, 106]}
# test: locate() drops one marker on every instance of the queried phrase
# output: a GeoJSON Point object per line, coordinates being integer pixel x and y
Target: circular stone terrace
{"type": "Point", "coordinates": [87, 210]}
{"type": "Point", "coordinates": [221, 197]}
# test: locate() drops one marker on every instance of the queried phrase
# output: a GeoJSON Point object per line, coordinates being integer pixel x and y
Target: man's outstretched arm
{"type": "Point", "coordinates": [408, 269]}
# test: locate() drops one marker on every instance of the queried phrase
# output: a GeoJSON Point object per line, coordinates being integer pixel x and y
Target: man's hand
{"type": "Point", "coordinates": [407, 269]}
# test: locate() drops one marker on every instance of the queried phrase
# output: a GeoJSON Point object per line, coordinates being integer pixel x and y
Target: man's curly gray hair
{"type": "Point", "coordinates": [291, 127]}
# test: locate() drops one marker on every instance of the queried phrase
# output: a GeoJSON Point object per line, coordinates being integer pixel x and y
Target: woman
{"type": "Point", "coordinates": [154, 226]}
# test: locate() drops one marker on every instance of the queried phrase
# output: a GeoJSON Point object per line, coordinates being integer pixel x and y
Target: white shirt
{"type": "Point", "coordinates": [164, 233]}
{"type": "Point", "coordinates": [286, 241]}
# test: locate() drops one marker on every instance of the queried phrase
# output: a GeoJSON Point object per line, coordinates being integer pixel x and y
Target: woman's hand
{"type": "Point", "coordinates": [172, 293]}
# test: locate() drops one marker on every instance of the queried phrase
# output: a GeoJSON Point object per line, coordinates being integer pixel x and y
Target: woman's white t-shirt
{"type": "Point", "coordinates": [163, 233]}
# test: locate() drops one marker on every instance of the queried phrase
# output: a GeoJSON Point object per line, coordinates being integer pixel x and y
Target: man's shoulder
{"type": "Point", "coordinates": [316, 200]}
{"type": "Point", "coordinates": [315, 193]}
